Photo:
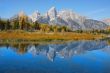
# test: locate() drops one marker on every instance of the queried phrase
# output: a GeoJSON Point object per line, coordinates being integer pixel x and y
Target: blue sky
{"type": "Point", "coordinates": [96, 9]}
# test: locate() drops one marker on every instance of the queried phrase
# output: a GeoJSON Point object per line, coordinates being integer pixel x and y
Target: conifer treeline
{"type": "Point", "coordinates": [23, 23]}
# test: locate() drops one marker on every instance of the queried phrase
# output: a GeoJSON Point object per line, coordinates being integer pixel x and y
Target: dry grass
{"type": "Point", "coordinates": [49, 36]}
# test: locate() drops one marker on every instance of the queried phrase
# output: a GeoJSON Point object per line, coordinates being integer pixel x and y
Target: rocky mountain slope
{"type": "Point", "coordinates": [67, 18]}
{"type": "Point", "coordinates": [107, 21]}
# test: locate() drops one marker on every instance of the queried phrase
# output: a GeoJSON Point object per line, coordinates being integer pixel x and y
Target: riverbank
{"type": "Point", "coordinates": [39, 36]}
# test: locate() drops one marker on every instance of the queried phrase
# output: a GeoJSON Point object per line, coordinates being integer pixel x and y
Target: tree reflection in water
{"type": "Point", "coordinates": [65, 50]}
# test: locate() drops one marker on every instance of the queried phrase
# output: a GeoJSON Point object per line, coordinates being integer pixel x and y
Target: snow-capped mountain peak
{"type": "Point", "coordinates": [52, 13]}
{"type": "Point", "coordinates": [67, 18]}
{"type": "Point", "coordinates": [35, 16]}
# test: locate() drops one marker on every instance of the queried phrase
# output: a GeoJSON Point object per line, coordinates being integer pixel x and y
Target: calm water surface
{"type": "Point", "coordinates": [71, 57]}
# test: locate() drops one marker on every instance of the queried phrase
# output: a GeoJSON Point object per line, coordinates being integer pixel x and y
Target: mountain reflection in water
{"type": "Point", "coordinates": [70, 56]}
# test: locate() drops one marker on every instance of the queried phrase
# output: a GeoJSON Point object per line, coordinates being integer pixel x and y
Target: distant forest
{"type": "Point", "coordinates": [22, 22]}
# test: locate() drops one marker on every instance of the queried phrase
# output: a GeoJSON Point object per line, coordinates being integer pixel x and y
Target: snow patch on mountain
{"type": "Point", "coordinates": [67, 18]}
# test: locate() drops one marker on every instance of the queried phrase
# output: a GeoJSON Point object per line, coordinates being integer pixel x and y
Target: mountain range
{"type": "Point", "coordinates": [67, 18]}
{"type": "Point", "coordinates": [107, 21]}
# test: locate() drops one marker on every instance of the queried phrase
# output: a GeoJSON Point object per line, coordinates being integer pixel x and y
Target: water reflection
{"type": "Point", "coordinates": [70, 57]}
{"type": "Point", "coordinates": [66, 50]}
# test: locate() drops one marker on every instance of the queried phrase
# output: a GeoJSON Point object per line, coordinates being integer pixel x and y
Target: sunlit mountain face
{"type": "Point", "coordinates": [64, 17]}
{"type": "Point", "coordinates": [107, 21]}
{"type": "Point", "coordinates": [68, 57]}
{"type": "Point", "coordinates": [69, 18]}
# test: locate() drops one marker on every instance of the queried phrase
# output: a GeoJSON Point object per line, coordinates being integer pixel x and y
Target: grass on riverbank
{"type": "Point", "coordinates": [22, 35]}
